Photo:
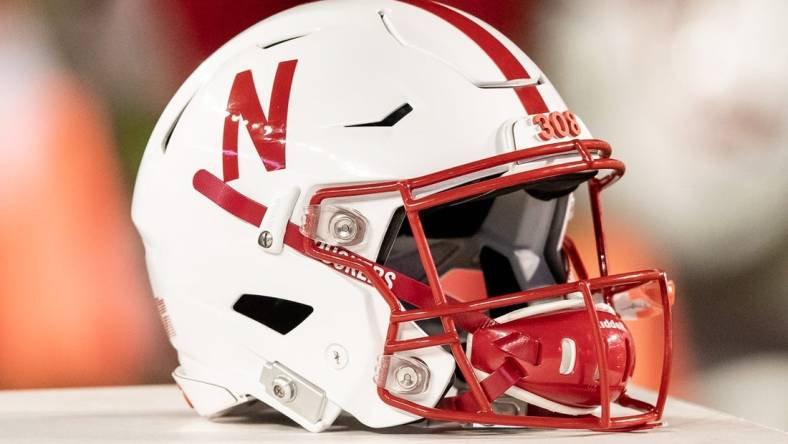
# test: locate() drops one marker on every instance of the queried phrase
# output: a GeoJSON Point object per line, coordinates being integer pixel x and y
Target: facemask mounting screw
{"type": "Point", "coordinates": [266, 239]}
{"type": "Point", "coordinates": [282, 387]}
{"type": "Point", "coordinates": [344, 227]}
{"type": "Point", "coordinates": [407, 377]}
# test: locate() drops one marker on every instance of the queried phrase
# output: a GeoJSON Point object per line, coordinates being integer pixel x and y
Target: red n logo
{"type": "Point", "coordinates": [269, 135]}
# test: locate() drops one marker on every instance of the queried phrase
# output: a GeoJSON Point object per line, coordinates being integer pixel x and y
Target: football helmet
{"type": "Point", "coordinates": [361, 206]}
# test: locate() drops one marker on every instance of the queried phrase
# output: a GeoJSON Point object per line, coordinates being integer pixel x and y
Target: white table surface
{"type": "Point", "coordinates": [159, 414]}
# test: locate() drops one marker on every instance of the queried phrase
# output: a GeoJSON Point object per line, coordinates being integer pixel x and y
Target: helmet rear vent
{"type": "Point", "coordinates": [279, 42]}
{"type": "Point", "coordinates": [277, 314]}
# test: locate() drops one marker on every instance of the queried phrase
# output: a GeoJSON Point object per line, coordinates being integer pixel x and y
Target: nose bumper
{"type": "Point", "coordinates": [554, 345]}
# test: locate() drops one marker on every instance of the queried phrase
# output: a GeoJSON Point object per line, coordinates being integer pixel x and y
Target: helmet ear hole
{"type": "Point", "coordinates": [280, 315]}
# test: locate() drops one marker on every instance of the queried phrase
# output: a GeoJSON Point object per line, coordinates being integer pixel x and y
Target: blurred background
{"type": "Point", "coordinates": [692, 96]}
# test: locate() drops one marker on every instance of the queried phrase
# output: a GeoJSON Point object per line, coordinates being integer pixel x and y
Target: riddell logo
{"type": "Point", "coordinates": [609, 323]}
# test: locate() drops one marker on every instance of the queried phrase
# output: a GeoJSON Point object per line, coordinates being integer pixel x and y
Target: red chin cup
{"type": "Point", "coordinates": [555, 350]}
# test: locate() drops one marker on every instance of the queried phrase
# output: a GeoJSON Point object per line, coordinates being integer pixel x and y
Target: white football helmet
{"type": "Point", "coordinates": [361, 205]}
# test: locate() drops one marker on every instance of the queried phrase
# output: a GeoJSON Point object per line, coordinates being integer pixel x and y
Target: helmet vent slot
{"type": "Point", "coordinates": [277, 314]}
{"type": "Point", "coordinates": [390, 28]}
{"type": "Point", "coordinates": [279, 42]}
{"type": "Point", "coordinates": [390, 120]}
{"type": "Point", "coordinates": [171, 129]}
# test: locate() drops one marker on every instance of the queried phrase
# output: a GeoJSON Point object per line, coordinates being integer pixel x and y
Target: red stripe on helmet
{"type": "Point", "coordinates": [228, 198]}
{"type": "Point", "coordinates": [503, 58]}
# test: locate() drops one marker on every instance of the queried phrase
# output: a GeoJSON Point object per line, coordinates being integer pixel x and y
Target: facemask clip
{"type": "Point", "coordinates": [333, 225]}
{"type": "Point", "coordinates": [402, 375]}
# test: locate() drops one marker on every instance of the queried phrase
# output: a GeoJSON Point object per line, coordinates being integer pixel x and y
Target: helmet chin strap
{"type": "Point", "coordinates": [501, 381]}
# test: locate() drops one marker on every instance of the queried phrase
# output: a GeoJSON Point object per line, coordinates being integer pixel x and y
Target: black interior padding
{"type": "Point", "coordinates": [453, 220]}
{"type": "Point", "coordinates": [278, 314]}
{"type": "Point", "coordinates": [465, 218]}
{"type": "Point", "coordinates": [447, 227]}
{"type": "Point", "coordinates": [560, 186]}
{"type": "Point", "coordinates": [391, 235]}
{"type": "Point", "coordinates": [499, 278]}
{"type": "Point", "coordinates": [553, 253]}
